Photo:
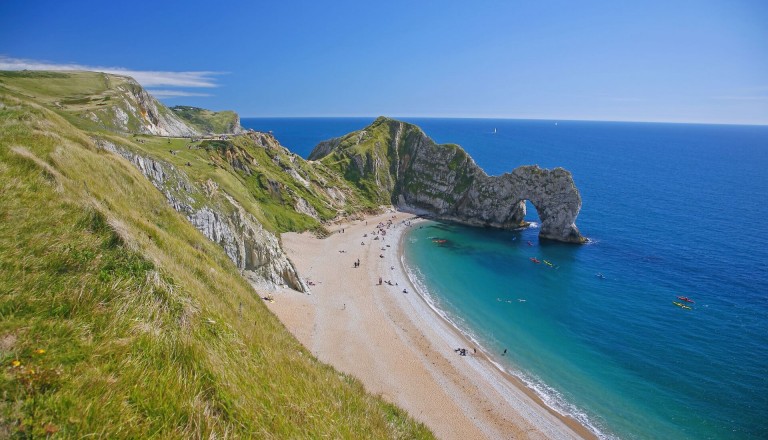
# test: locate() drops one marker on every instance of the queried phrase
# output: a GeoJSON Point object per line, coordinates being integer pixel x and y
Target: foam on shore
{"type": "Point", "coordinates": [399, 344]}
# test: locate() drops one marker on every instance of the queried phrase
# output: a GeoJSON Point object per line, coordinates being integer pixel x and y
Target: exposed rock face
{"type": "Point", "coordinates": [221, 219]}
{"type": "Point", "coordinates": [404, 165]}
{"type": "Point", "coordinates": [134, 110]}
{"type": "Point", "coordinates": [498, 201]}
{"type": "Point", "coordinates": [156, 121]}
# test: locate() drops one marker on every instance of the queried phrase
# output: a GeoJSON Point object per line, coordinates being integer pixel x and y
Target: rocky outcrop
{"type": "Point", "coordinates": [221, 219]}
{"type": "Point", "coordinates": [417, 175]}
{"type": "Point", "coordinates": [154, 117]}
{"type": "Point", "coordinates": [499, 201]}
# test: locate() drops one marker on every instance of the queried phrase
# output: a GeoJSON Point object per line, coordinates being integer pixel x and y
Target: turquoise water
{"type": "Point", "coordinates": [672, 209]}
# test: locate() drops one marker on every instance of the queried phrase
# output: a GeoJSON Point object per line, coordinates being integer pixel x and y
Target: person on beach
{"type": "Point", "coordinates": [379, 281]}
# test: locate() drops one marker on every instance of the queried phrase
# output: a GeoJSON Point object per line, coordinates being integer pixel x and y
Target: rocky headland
{"type": "Point", "coordinates": [395, 162]}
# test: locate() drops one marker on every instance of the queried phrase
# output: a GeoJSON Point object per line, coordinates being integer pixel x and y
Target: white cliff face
{"type": "Point", "coordinates": [221, 219]}
{"type": "Point", "coordinates": [133, 110]}
{"type": "Point", "coordinates": [154, 121]}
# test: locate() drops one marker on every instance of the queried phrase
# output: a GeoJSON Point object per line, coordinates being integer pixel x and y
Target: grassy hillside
{"type": "Point", "coordinates": [252, 167]}
{"type": "Point", "coordinates": [377, 161]}
{"type": "Point", "coordinates": [118, 319]}
{"type": "Point", "coordinates": [366, 159]}
{"type": "Point", "coordinates": [208, 121]}
{"type": "Point", "coordinates": [91, 100]}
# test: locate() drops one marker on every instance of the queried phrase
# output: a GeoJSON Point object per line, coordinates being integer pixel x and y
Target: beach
{"type": "Point", "coordinates": [368, 320]}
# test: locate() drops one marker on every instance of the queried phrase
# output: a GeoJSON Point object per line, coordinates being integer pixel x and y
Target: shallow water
{"type": "Point", "coordinates": [672, 209]}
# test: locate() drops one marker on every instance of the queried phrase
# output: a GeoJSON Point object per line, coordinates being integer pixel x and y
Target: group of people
{"type": "Point", "coordinates": [463, 351]}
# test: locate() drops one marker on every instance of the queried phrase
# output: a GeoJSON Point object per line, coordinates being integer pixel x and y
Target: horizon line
{"type": "Point", "coordinates": [511, 118]}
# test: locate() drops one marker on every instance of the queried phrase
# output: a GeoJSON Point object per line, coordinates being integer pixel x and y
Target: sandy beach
{"type": "Point", "coordinates": [388, 337]}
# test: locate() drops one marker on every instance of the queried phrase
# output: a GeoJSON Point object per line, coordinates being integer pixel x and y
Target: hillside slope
{"type": "Point", "coordinates": [100, 101]}
{"type": "Point", "coordinates": [120, 319]}
{"type": "Point", "coordinates": [240, 192]}
{"type": "Point", "coordinates": [209, 122]}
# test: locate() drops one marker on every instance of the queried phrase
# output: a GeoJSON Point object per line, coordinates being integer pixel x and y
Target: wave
{"type": "Point", "coordinates": [548, 395]}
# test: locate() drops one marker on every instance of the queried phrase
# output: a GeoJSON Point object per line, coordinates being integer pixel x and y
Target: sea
{"type": "Point", "coordinates": [670, 210]}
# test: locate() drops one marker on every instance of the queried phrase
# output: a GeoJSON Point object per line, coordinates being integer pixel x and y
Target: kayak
{"type": "Point", "coordinates": [548, 263]}
{"type": "Point", "coordinates": [681, 305]}
{"type": "Point", "coordinates": [686, 299]}
{"type": "Point", "coordinates": [535, 260]}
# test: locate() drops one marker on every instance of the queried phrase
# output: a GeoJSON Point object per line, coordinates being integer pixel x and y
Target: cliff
{"type": "Point", "coordinates": [221, 219]}
{"type": "Point", "coordinates": [393, 161]}
{"type": "Point", "coordinates": [99, 101]}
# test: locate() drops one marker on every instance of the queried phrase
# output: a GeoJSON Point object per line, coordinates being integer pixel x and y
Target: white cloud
{"type": "Point", "coordinates": [173, 93]}
{"type": "Point", "coordinates": [146, 78]}
{"type": "Point", "coordinates": [625, 99]}
{"type": "Point", "coordinates": [742, 98]}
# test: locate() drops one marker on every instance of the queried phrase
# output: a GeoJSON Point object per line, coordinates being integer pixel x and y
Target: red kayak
{"type": "Point", "coordinates": [535, 260]}
{"type": "Point", "coordinates": [686, 299]}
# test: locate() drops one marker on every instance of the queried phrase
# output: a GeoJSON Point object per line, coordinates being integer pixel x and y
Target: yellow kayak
{"type": "Point", "coordinates": [681, 305]}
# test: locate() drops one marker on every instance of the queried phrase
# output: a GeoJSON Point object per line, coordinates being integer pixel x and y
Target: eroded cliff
{"type": "Point", "coordinates": [221, 219]}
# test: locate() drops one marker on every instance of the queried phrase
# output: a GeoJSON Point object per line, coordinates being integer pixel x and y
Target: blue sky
{"type": "Point", "coordinates": [677, 61]}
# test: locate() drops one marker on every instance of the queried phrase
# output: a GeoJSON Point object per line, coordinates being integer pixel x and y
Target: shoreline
{"type": "Point", "coordinates": [517, 382]}
{"type": "Point", "coordinates": [397, 344]}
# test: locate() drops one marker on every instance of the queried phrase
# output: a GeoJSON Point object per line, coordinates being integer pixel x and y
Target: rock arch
{"type": "Point", "coordinates": [417, 175]}
{"type": "Point", "coordinates": [500, 201]}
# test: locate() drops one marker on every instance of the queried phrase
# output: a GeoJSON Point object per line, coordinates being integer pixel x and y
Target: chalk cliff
{"type": "Point", "coordinates": [221, 219]}
{"type": "Point", "coordinates": [124, 106]}
{"type": "Point", "coordinates": [393, 161]}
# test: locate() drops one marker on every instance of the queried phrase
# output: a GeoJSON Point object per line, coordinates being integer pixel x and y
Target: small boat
{"type": "Point", "coordinates": [535, 260]}
{"type": "Point", "coordinates": [686, 299]}
{"type": "Point", "coordinates": [681, 305]}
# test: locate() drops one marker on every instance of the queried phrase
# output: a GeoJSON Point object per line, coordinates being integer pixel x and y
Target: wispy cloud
{"type": "Point", "coordinates": [624, 99]}
{"type": "Point", "coordinates": [174, 93]}
{"type": "Point", "coordinates": [147, 78]}
{"type": "Point", "coordinates": [756, 93]}
{"type": "Point", "coordinates": [742, 98]}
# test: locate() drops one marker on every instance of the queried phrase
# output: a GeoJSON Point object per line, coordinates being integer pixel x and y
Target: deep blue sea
{"type": "Point", "coordinates": [672, 210]}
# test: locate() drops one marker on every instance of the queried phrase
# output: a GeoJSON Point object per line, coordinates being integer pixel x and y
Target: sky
{"type": "Point", "coordinates": [669, 61]}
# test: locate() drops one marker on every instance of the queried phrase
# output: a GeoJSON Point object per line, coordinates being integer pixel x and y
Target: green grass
{"type": "Point", "coordinates": [119, 320]}
{"type": "Point", "coordinates": [207, 121]}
